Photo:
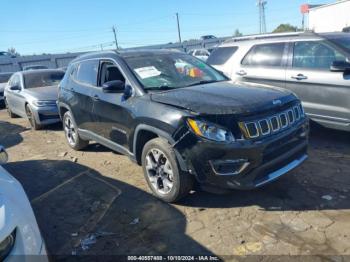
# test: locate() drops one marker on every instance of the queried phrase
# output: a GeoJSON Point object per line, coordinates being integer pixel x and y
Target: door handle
{"type": "Point", "coordinates": [96, 98]}
{"type": "Point", "coordinates": [299, 77]}
{"type": "Point", "coordinates": [241, 73]}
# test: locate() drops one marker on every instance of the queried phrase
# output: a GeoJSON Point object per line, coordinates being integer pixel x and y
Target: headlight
{"type": "Point", "coordinates": [40, 103]}
{"type": "Point", "coordinates": [210, 131]}
{"type": "Point", "coordinates": [3, 156]}
{"type": "Point", "coordinates": [6, 245]}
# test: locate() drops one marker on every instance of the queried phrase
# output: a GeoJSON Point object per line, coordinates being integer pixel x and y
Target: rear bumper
{"type": "Point", "coordinates": [246, 164]}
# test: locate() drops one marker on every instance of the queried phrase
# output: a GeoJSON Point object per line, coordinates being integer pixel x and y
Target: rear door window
{"type": "Point", "coordinates": [87, 72]}
{"type": "Point", "coordinates": [265, 55]}
{"type": "Point", "coordinates": [221, 55]}
{"type": "Point", "coordinates": [315, 55]}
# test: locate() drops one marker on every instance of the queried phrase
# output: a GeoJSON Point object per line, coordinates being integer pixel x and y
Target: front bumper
{"type": "Point", "coordinates": [46, 115]}
{"type": "Point", "coordinates": [247, 164]}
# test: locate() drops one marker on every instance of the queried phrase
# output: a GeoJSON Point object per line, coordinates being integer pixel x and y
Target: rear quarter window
{"type": "Point", "coordinates": [221, 55]}
{"type": "Point", "coordinates": [265, 55]}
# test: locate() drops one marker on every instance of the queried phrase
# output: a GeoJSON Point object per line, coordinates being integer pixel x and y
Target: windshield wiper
{"type": "Point", "coordinates": [204, 82]}
{"type": "Point", "coordinates": [162, 87]}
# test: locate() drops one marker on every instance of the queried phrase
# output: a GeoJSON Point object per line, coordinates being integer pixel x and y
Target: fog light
{"type": "Point", "coordinates": [229, 167]}
{"type": "Point", "coordinates": [6, 245]}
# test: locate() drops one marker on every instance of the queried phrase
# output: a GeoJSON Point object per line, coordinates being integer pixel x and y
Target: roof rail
{"type": "Point", "coordinates": [272, 35]}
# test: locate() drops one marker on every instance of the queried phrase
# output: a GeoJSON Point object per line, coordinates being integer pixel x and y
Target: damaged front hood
{"type": "Point", "coordinates": [224, 98]}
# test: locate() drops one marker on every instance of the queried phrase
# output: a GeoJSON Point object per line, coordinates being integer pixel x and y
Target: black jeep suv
{"type": "Point", "coordinates": [182, 120]}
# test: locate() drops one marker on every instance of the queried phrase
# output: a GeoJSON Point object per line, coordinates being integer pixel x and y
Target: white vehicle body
{"type": "Point", "coordinates": [17, 218]}
{"type": "Point", "coordinates": [202, 54]}
{"type": "Point", "coordinates": [302, 62]}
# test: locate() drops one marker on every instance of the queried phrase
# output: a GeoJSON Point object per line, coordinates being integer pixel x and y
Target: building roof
{"type": "Point", "coordinates": [312, 8]}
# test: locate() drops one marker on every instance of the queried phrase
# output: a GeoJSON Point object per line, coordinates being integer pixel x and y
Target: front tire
{"type": "Point", "coordinates": [31, 119]}
{"type": "Point", "coordinates": [162, 173]}
{"type": "Point", "coordinates": [11, 115]}
{"type": "Point", "coordinates": [71, 131]}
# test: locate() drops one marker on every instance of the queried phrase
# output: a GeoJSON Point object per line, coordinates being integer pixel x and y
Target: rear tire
{"type": "Point", "coordinates": [11, 115]}
{"type": "Point", "coordinates": [71, 131]}
{"type": "Point", "coordinates": [31, 119]}
{"type": "Point", "coordinates": [162, 173]}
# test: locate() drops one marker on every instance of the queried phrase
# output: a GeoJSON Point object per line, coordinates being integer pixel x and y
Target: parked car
{"type": "Point", "coordinates": [19, 232]}
{"type": "Point", "coordinates": [202, 54]}
{"type": "Point", "coordinates": [4, 77]}
{"type": "Point", "coordinates": [208, 37]}
{"type": "Point", "coordinates": [4, 54]}
{"type": "Point", "coordinates": [34, 67]}
{"type": "Point", "coordinates": [33, 95]}
{"type": "Point", "coordinates": [182, 120]}
{"type": "Point", "coordinates": [314, 66]}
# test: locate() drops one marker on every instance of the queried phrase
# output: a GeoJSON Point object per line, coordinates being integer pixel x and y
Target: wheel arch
{"type": "Point", "coordinates": [62, 109]}
{"type": "Point", "coordinates": [144, 133]}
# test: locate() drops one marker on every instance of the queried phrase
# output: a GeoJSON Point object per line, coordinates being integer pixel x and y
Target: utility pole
{"type": "Point", "coordinates": [262, 19]}
{"type": "Point", "coordinates": [178, 27]}
{"type": "Point", "coordinates": [115, 37]}
{"type": "Point", "coordinates": [101, 47]}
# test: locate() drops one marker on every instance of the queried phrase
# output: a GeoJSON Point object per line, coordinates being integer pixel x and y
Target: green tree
{"type": "Point", "coordinates": [237, 33]}
{"type": "Point", "coordinates": [285, 28]}
{"type": "Point", "coordinates": [13, 51]}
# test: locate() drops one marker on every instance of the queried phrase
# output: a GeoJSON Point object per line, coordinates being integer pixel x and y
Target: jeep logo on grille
{"type": "Point", "coordinates": [277, 102]}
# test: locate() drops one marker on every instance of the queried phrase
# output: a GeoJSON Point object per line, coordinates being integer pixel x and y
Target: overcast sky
{"type": "Point", "coordinates": [43, 26]}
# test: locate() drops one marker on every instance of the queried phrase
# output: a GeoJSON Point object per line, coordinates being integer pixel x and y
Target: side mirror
{"type": "Point", "coordinates": [15, 88]}
{"type": "Point", "coordinates": [115, 86]}
{"type": "Point", "coordinates": [340, 66]}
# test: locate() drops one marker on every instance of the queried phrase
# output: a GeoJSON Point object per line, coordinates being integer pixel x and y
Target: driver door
{"type": "Point", "coordinates": [111, 115]}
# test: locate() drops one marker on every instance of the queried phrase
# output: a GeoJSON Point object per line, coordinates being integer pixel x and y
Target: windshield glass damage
{"type": "Point", "coordinates": [171, 71]}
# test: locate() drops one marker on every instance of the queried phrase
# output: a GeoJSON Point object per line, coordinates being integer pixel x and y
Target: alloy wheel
{"type": "Point", "coordinates": [30, 116]}
{"type": "Point", "coordinates": [159, 171]}
{"type": "Point", "coordinates": [70, 131]}
{"type": "Point", "coordinates": [7, 108]}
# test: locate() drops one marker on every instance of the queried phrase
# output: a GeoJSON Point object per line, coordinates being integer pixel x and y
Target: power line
{"type": "Point", "coordinates": [178, 26]}
{"type": "Point", "coordinates": [115, 37]}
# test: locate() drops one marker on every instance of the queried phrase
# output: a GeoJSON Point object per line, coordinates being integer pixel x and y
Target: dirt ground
{"type": "Point", "coordinates": [101, 196]}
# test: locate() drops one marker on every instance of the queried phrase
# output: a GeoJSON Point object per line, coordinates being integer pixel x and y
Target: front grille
{"type": "Point", "coordinates": [43, 117]}
{"type": "Point", "coordinates": [272, 124]}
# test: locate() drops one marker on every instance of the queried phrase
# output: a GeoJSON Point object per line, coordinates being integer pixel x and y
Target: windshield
{"type": "Point", "coordinates": [170, 71]}
{"type": "Point", "coordinates": [41, 79]}
{"type": "Point", "coordinates": [343, 41]}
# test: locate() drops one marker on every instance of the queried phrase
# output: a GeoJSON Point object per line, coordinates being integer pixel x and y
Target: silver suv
{"type": "Point", "coordinates": [314, 66]}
